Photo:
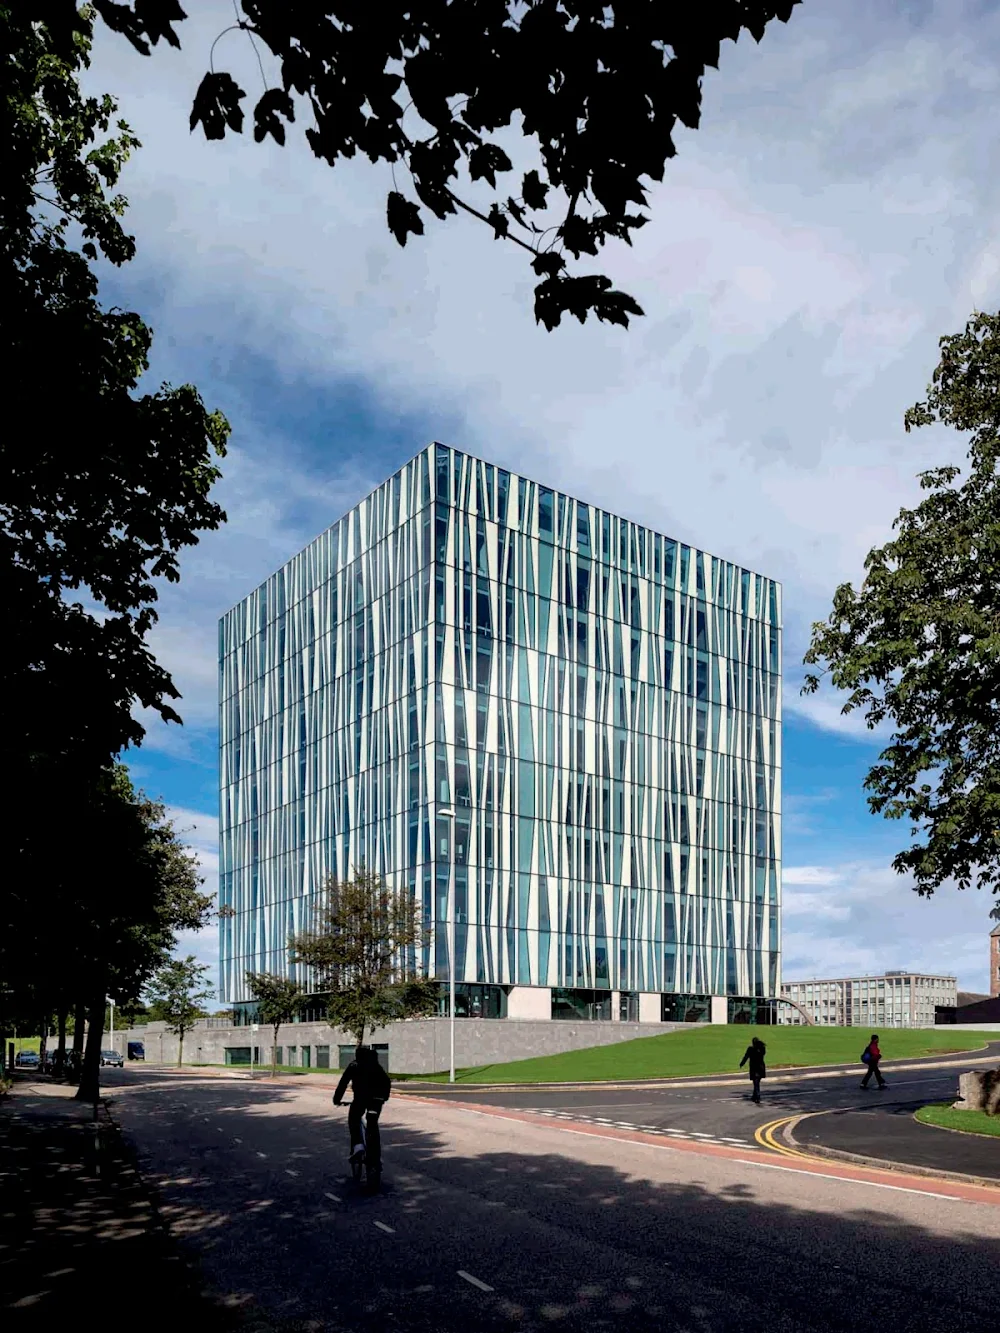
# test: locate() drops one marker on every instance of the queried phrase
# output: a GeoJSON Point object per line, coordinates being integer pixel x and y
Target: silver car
{"type": "Point", "coordinates": [112, 1058]}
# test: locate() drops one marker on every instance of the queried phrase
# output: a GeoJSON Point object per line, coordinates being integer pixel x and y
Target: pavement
{"type": "Point", "coordinates": [76, 1220]}
{"type": "Point", "coordinates": [504, 1220]}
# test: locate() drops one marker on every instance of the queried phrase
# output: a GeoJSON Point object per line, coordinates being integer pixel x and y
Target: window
{"type": "Point", "coordinates": [345, 1054]}
{"type": "Point", "coordinates": [473, 1000]}
{"type": "Point", "coordinates": [240, 1055]}
{"type": "Point", "coordinates": [589, 1005]}
{"type": "Point", "coordinates": [322, 1057]}
{"type": "Point", "coordinates": [685, 1008]}
{"type": "Point", "coordinates": [545, 499]}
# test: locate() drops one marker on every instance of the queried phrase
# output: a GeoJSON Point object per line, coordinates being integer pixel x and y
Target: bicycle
{"type": "Point", "coordinates": [369, 1163]}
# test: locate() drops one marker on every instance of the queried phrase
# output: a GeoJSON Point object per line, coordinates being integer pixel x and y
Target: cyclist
{"type": "Point", "coordinates": [370, 1085]}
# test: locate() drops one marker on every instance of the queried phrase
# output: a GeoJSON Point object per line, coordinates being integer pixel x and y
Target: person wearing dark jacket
{"type": "Point", "coordinates": [370, 1085]}
{"type": "Point", "coordinates": [755, 1053]}
{"type": "Point", "coordinates": [874, 1056]}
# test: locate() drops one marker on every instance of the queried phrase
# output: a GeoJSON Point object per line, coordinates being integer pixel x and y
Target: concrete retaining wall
{"type": "Point", "coordinates": [420, 1046]}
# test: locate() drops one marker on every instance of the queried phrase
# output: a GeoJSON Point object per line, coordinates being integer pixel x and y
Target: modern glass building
{"type": "Point", "coordinates": [559, 730]}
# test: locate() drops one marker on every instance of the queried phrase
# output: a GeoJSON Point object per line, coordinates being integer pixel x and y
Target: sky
{"type": "Point", "coordinates": [835, 214]}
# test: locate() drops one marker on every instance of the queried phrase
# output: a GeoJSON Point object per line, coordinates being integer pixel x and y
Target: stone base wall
{"type": "Point", "coordinates": [420, 1046]}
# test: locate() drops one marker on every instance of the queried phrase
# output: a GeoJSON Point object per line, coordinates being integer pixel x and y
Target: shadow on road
{"type": "Point", "coordinates": [250, 1178]}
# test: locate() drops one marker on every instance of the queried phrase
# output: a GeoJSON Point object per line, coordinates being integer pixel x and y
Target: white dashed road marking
{"type": "Point", "coordinates": [474, 1280]}
{"type": "Point", "coordinates": [382, 1227]}
{"type": "Point", "coordinates": [607, 1123]}
{"type": "Point", "coordinates": [334, 1197]}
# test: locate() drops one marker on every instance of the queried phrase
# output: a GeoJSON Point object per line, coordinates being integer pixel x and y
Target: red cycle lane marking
{"type": "Point", "coordinates": [895, 1180]}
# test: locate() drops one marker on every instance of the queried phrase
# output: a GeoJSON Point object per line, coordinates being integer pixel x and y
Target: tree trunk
{"type": "Point", "coordinates": [180, 1048]}
{"type": "Point", "coordinates": [274, 1051]}
{"type": "Point", "coordinates": [79, 1022]}
{"type": "Point", "coordinates": [61, 1048]}
{"type": "Point", "coordinates": [90, 1077]}
{"type": "Point", "coordinates": [43, 1043]}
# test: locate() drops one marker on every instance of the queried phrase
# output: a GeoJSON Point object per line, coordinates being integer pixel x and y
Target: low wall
{"type": "Point", "coordinates": [419, 1046]}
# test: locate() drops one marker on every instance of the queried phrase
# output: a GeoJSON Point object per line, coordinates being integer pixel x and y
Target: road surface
{"type": "Point", "coordinates": [715, 1110]}
{"type": "Point", "coordinates": [493, 1220]}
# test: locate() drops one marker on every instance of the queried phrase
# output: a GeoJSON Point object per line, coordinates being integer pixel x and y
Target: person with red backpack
{"type": "Point", "coordinates": [871, 1056]}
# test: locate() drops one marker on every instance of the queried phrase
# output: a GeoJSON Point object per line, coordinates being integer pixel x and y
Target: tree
{"type": "Point", "coordinates": [598, 86]}
{"type": "Point", "coordinates": [363, 949]}
{"type": "Point", "coordinates": [100, 487]}
{"type": "Point", "coordinates": [919, 644]}
{"type": "Point", "coordinates": [179, 988]}
{"type": "Point", "coordinates": [107, 929]}
{"type": "Point", "coordinates": [279, 999]}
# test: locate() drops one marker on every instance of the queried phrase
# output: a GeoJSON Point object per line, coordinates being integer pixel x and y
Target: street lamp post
{"type": "Point", "coordinates": [112, 1004]}
{"type": "Point", "coordinates": [450, 814]}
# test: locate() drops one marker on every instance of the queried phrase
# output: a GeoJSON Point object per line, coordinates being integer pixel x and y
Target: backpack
{"type": "Point", "coordinates": [866, 1056]}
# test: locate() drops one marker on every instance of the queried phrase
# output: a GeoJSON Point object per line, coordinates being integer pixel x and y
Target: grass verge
{"type": "Point", "coordinates": [710, 1049]}
{"type": "Point", "coordinates": [966, 1122]}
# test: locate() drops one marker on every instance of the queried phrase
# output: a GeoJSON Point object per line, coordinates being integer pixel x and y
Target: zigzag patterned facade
{"type": "Point", "coordinates": [595, 708]}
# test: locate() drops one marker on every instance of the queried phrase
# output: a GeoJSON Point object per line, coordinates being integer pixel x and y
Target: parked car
{"type": "Point", "coordinates": [136, 1050]}
{"type": "Point", "coordinates": [26, 1060]}
{"type": "Point", "coordinates": [112, 1058]}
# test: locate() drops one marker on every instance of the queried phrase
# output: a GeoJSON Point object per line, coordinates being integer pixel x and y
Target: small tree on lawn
{"type": "Point", "coordinates": [279, 999]}
{"type": "Point", "coordinates": [179, 990]}
{"type": "Point", "coordinates": [363, 949]}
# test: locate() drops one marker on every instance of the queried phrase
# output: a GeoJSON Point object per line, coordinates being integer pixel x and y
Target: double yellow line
{"type": "Point", "coordinates": [765, 1136]}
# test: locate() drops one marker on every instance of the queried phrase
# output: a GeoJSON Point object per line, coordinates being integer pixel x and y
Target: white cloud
{"type": "Point", "coordinates": [860, 917]}
{"type": "Point", "coordinates": [807, 875]}
{"type": "Point", "coordinates": [200, 832]}
{"type": "Point", "coordinates": [793, 308]}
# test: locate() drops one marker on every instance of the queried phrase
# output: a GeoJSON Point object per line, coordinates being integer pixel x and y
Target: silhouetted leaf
{"type": "Point", "coordinates": [275, 104]}
{"type": "Point", "coordinates": [216, 105]}
{"type": "Point", "coordinates": [486, 160]}
{"type": "Point", "coordinates": [533, 190]}
{"type": "Point", "coordinates": [403, 217]}
{"type": "Point", "coordinates": [498, 221]}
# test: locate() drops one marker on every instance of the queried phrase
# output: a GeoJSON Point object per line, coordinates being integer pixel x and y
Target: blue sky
{"type": "Point", "coordinates": [836, 213]}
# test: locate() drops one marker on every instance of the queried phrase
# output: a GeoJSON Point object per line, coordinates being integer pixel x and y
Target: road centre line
{"type": "Point", "coordinates": [474, 1280]}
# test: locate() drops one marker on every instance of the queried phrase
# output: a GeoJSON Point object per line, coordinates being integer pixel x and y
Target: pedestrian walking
{"type": "Point", "coordinates": [871, 1056]}
{"type": "Point", "coordinates": [754, 1054]}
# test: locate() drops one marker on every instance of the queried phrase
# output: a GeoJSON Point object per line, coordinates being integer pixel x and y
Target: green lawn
{"type": "Point", "coordinates": [969, 1122]}
{"type": "Point", "coordinates": [710, 1049]}
{"type": "Point", "coordinates": [23, 1044]}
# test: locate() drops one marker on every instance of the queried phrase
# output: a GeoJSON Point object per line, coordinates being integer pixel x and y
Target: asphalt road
{"type": "Point", "coordinates": [488, 1223]}
{"type": "Point", "coordinates": [716, 1111]}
